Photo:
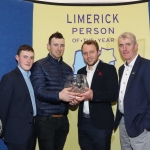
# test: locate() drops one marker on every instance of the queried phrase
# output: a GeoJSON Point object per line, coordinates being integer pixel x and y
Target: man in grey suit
{"type": "Point", "coordinates": [133, 112]}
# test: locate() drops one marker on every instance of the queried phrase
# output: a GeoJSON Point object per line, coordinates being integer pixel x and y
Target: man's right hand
{"type": "Point", "coordinates": [66, 95]}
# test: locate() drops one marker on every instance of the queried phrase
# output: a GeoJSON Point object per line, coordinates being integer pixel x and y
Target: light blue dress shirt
{"type": "Point", "coordinates": [26, 76]}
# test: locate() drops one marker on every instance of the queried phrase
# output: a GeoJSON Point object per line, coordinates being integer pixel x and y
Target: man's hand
{"type": "Point", "coordinates": [87, 95]}
{"type": "Point", "coordinates": [74, 102]}
{"type": "Point", "coordinates": [67, 96]}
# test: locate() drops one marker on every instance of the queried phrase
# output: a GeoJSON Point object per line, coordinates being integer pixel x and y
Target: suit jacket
{"type": "Point", "coordinates": [16, 111]}
{"type": "Point", "coordinates": [136, 98]}
{"type": "Point", "coordinates": [105, 90]}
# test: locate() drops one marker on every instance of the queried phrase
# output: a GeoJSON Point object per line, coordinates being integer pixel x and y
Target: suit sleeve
{"type": "Point", "coordinates": [39, 85]}
{"type": "Point", "coordinates": [6, 92]}
{"type": "Point", "coordinates": [110, 91]}
{"type": "Point", "coordinates": [147, 88]}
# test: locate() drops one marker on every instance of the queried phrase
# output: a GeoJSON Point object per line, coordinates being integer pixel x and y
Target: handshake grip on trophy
{"type": "Point", "coordinates": [78, 82]}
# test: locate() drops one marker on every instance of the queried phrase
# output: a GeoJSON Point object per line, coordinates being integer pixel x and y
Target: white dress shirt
{"type": "Point", "coordinates": [89, 80]}
{"type": "Point", "coordinates": [123, 83]}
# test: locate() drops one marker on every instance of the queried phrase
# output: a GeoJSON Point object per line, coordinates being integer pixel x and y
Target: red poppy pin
{"type": "Point", "coordinates": [99, 73]}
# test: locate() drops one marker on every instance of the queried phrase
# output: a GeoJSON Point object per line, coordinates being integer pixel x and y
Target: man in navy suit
{"type": "Point", "coordinates": [17, 103]}
{"type": "Point", "coordinates": [133, 111]}
{"type": "Point", "coordinates": [95, 117]}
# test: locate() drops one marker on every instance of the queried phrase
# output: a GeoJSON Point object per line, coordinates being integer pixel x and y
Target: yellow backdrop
{"type": "Point", "coordinates": [78, 23]}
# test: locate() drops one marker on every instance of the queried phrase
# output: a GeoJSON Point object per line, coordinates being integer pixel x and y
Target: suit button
{"type": "Point", "coordinates": [31, 112]}
{"type": "Point", "coordinates": [29, 122]}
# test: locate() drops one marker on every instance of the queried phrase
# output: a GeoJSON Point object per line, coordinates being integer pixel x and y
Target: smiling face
{"type": "Point", "coordinates": [56, 47]}
{"type": "Point", "coordinates": [90, 54]}
{"type": "Point", "coordinates": [25, 59]}
{"type": "Point", "coordinates": [127, 48]}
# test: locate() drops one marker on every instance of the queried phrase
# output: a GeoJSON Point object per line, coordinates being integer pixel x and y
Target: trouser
{"type": "Point", "coordinates": [28, 145]}
{"type": "Point", "coordinates": [141, 142]}
{"type": "Point", "coordinates": [92, 138]}
{"type": "Point", "coordinates": [52, 132]}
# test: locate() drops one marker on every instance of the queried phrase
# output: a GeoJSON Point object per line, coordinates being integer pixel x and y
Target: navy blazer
{"type": "Point", "coordinates": [105, 90]}
{"type": "Point", "coordinates": [16, 111]}
{"type": "Point", "coordinates": [136, 98]}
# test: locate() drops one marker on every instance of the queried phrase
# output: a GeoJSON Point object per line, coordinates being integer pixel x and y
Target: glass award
{"type": "Point", "coordinates": [78, 82]}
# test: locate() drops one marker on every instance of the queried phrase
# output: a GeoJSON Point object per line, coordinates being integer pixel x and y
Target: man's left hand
{"type": "Point", "coordinates": [87, 95]}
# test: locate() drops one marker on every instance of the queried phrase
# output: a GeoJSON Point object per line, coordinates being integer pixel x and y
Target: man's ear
{"type": "Point", "coordinates": [17, 57]}
{"type": "Point", "coordinates": [99, 51]}
{"type": "Point", "coordinates": [136, 46]}
{"type": "Point", "coordinates": [48, 46]}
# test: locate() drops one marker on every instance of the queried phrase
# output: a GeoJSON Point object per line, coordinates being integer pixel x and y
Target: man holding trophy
{"type": "Point", "coordinates": [95, 117]}
{"type": "Point", "coordinates": [48, 77]}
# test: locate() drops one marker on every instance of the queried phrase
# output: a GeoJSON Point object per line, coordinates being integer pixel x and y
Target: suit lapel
{"type": "Point", "coordinates": [22, 81]}
{"type": "Point", "coordinates": [95, 75]}
{"type": "Point", "coordinates": [121, 73]}
{"type": "Point", "coordinates": [133, 72]}
{"type": "Point", "coordinates": [83, 71]}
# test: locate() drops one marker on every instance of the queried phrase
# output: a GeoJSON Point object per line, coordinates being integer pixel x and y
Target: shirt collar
{"type": "Point", "coordinates": [52, 59]}
{"type": "Point", "coordinates": [24, 73]}
{"type": "Point", "coordinates": [93, 67]}
{"type": "Point", "coordinates": [131, 63]}
{"type": "Point", "coordinates": [55, 58]}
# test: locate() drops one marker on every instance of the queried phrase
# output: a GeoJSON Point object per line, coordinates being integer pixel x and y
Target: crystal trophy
{"type": "Point", "coordinates": [78, 82]}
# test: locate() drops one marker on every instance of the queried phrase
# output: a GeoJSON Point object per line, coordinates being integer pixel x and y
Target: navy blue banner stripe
{"type": "Point", "coordinates": [88, 4]}
{"type": "Point", "coordinates": [16, 17]}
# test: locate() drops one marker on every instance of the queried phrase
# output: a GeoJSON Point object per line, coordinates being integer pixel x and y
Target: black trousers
{"type": "Point", "coordinates": [28, 145]}
{"type": "Point", "coordinates": [92, 138]}
{"type": "Point", "coordinates": [52, 132]}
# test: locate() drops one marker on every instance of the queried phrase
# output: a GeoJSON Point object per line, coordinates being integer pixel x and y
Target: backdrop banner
{"type": "Point", "coordinates": [79, 23]}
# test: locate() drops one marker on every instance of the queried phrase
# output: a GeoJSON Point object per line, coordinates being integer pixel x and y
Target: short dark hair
{"type": "Point", "coordinates": [24, 48]}
{"type": "Point", "coordinates": [57, 35]}
{"type": "Point", "coordinates": [91, 42]}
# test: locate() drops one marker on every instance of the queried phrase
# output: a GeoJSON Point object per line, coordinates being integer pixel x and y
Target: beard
{"type": "Point", "coordinates": [93, 63]}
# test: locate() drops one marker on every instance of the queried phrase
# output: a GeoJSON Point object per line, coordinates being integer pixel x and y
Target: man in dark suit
{"type": "Point", "coordinates": [133, 111]}
{"type": "Point", "coordinates": [17, 103]}
{"type": "Point", "coordinates": [95, 116]}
